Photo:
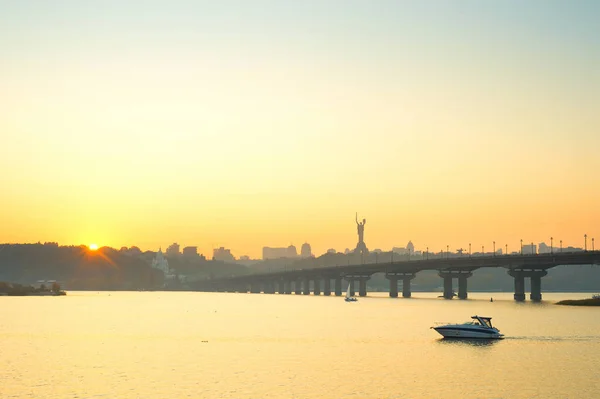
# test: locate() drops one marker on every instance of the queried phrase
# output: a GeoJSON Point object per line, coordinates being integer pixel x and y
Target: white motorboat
{"type": "Point", "coordinates": [478, 327]}
{"type": "Point", "coordinates": [348, 297]}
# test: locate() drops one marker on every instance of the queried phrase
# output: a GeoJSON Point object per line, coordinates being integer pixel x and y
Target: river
{"type": "Point", "coordinates": [216, 345]}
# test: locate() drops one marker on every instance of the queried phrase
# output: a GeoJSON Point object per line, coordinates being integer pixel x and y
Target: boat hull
{"type": "Point", "coordinates": [470, 333]}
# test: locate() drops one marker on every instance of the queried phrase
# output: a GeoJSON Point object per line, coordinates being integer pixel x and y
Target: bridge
{"type": "Point", "coordinates": [300, 281]}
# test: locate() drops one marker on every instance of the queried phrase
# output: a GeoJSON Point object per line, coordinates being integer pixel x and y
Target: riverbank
{"type": "Point", "coordinates": [593, 301]}
{"type": "Point", "coordinates": [8, 289]}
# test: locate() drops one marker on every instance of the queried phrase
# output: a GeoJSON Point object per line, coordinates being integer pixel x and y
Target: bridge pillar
{"type": "Point", "coordinates": [393, 286]}
{"type": "Point", "coordinates": [327, 286]}
{"type": "Point", "coordinates": [298, 287]}
{"type": "Point", "coordinates": [536, 283]}
{"type": "Point", "coordinates": [317, 286]}
{"type": "Point", "coordinates": [338, 286]}
{"type": "Point", "coordinates": [306, 287]}
{"type": "Point", "coordinates": [448, 294]}
{"type": "Point", "coordinates": [462, 276]}
{"type": "Point", "coordinates": [519, 288]}
{"type": "Point", "coordinates": [536, 288]}
{"type": "Point", "coordinates": [394, 277]}
{"type": "Point", "coordinates": [281, 286]}
{"type": "Point", "coordinates": [406, 285]}
{"type": "Point", "coordinates": [462, 287]}
{"type": "Point", "coordinates": [287, 287]}
{"type": "Point", "coordinates": [362, 286]}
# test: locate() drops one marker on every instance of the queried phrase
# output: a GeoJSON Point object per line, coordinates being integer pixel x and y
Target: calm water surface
{"type": "Point", "coordinates": [216, 345]}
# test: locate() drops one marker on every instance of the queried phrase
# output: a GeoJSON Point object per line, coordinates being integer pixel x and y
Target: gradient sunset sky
{"type": "Point", "coordinates": [267, 123]}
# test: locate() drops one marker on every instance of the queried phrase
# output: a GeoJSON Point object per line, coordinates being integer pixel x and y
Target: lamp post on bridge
{"type": "Point", "coordinates": [551, 249]}
{"type": "Point", "coordinates": [532, 252]}
{"type": "Point", "coordinates": [593, 244]}
{"type": "Point", "coordinates": [560, 245]}
{"type": "Point", "coordinates": [494, 243]}
{"type": "Point", "coordinates": [506, 245]}
{"type": "Point", "coordinates": [427, 253]}
{"type": "Point", "coordinates": [469, 250]}
{"type": "Point", "coordinates": [521, 246]}
{"type": "Point", "coordinates": [482, 251]}
{"type": "Point", "coordinates": [447, 251]}
{"type": "Point", "coordinates": [585, 242]}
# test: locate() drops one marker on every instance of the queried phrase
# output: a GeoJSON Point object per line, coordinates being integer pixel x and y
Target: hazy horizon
{"type": "Point", "coordinates": [270, 123]}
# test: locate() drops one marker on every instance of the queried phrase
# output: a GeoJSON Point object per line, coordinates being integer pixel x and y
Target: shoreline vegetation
{"type": "Point", "coordinates": [79, 268]}
{"type": "Point", "coordinates": [593, 301]}
{"type": "Point", "coordinates": [8, 289]}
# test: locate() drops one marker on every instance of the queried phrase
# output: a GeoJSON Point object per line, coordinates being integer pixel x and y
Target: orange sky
{"type": "Point", "coordinates": [439, 128]}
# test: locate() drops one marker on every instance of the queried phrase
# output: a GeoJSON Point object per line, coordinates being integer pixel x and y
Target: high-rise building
{"type": "Point", "coordinates": [305, 250]}
{"type": "Point", "coordinates": [223, 254]}
{"type": "Point", "coordinates": [190, 252]}
{"type": "Point", "coordinates": [173, 250]}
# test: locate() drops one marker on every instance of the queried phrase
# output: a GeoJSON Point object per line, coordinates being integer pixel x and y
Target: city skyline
{"type": "Point", "coordinates": [242, 125]}
{"type": "Point", "coordinates": [525, 247]}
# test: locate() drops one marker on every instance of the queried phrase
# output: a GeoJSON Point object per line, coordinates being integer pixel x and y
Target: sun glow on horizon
{"type": "Point", "coordinates": [93, 247]}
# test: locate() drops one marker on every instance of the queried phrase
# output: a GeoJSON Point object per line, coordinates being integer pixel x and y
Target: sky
{"type": "Point", "coordinates": [246, 124]}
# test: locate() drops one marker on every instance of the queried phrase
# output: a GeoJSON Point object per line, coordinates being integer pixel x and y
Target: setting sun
{"type": "Point", "coordinates": [93, 247]}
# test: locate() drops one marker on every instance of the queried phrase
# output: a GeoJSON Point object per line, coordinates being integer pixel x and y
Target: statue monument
{"type": "Point", "coordinates": [361, 247]}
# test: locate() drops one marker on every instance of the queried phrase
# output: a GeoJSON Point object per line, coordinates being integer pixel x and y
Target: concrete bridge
{"type": "Point", "coordinates": [319, 279]}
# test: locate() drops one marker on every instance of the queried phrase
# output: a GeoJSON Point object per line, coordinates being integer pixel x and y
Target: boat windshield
{"type": "Point", "coordinates": [487, 322]}
{"type": "Point", "coordinates": [481, 321]}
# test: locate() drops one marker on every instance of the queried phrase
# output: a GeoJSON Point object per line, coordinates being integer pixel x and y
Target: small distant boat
{"type": "Point", "coordinates": [479, 327]}
{"type": "Point", "coordinates": [348, 297]}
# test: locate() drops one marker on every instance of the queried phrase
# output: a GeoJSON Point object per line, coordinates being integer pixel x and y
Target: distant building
{"type": "Point", "coordinates": [331, 251]}
{"type": "Point", "coordinates": [277, 253]}
{"type": "Point", "coordinates": [400, 251]}
{"type": "Point", "coordinates": [543, 248]}
{"type": "Point", "coordinates": [223, 254]}
{"type": "Point", "coordinates": [305, 250]}
{"type": "Point", "coordinates": [292, 252]}
{"type": "Point", "coordinates": [190, 252]}
{"type": "Point", "coordinates": [529, 249]}
{"type": "Point", "coordinates": [410, 248]}
{"type": "Point", "coordinates": [173, 250]}
{"type": "Point", "coordinates": [244, 257]}
{"type": "Point", "coordinates": [161, 263]}
{"type": "Point", "coordinates": [377, 251]}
